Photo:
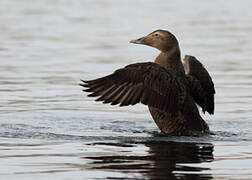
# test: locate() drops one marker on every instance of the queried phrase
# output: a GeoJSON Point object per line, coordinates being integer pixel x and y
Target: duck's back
{"type": "Point", "coordinates": [187, 119]}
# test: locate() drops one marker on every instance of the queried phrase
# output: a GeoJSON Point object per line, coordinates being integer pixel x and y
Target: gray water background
{"type": "Point", "coordinates": [49, 129]}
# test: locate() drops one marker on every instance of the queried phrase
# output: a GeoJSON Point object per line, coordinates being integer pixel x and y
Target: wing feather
{"type": "Point", "coordinates": [148, 83]}
{"type": "Point", "coordinates": [200, 83]}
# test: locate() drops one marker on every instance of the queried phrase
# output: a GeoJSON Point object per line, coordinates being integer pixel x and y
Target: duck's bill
{"type": "Point", "coordinates": [138, 41]}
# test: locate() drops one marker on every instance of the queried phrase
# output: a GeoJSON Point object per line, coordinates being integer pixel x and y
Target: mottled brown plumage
{"type": "Point", "coordinates": [202, 86]}
{"type": "Point", "coordinates": [169, 92]}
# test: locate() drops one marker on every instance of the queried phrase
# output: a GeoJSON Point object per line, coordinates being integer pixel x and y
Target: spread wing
{"type": "Point", "coordinates": [200, 83]}
{"type": "Point", "coordinates": [148, 83]}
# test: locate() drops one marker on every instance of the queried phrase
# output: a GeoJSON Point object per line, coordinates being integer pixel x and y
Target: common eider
{"type": "Point", "coordinates": [170, 88]}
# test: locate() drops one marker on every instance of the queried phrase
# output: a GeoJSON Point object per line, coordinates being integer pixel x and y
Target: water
{"type": "Point", "coordinates": [49, 129]}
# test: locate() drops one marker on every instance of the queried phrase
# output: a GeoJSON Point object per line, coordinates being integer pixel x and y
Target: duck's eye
{"type": "Point", "coordinates": [155, 34]}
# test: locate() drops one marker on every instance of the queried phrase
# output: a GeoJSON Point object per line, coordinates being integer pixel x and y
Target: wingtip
{"type": "Point", "coordinates": [84, 90]}
{"type": "Point", "coordinates": [83, 85]}
{"type": "Point", "coordinates": [211, 112]}
{"type": "Point", "coordinates": [84, 81]}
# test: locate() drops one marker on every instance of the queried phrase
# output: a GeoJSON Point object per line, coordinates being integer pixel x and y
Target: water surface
{"type": "Point", "coordinates": [49, 129]}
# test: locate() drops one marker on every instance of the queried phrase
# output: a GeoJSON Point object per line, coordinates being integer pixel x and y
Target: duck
{"type": "Point", "coordinates": [172, 89]}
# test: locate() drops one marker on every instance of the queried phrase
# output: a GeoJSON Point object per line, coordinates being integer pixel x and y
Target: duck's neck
{"type": "Point", "coordinates": [171, 60]}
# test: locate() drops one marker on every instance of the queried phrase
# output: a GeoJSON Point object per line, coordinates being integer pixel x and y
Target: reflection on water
{"type": "Point", "coordinates": [151, 159]}
{"type": "Point", "coordinates": [141, 159]}
{"type": "Point", "coordinates": [164, 160]}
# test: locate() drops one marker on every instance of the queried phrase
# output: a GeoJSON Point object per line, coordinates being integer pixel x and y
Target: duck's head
{"type": "Point", "coordinates": [160, 39]}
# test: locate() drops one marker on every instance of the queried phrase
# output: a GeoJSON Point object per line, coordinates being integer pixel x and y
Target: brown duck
{"type": "Point", "coordinates": [170, 88]}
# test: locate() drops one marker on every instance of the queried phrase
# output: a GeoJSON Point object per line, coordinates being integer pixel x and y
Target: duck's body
{"type": "Point", "coordinates": [164, 86]}
{"type": "Point", "coordinates": [187, 119]}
